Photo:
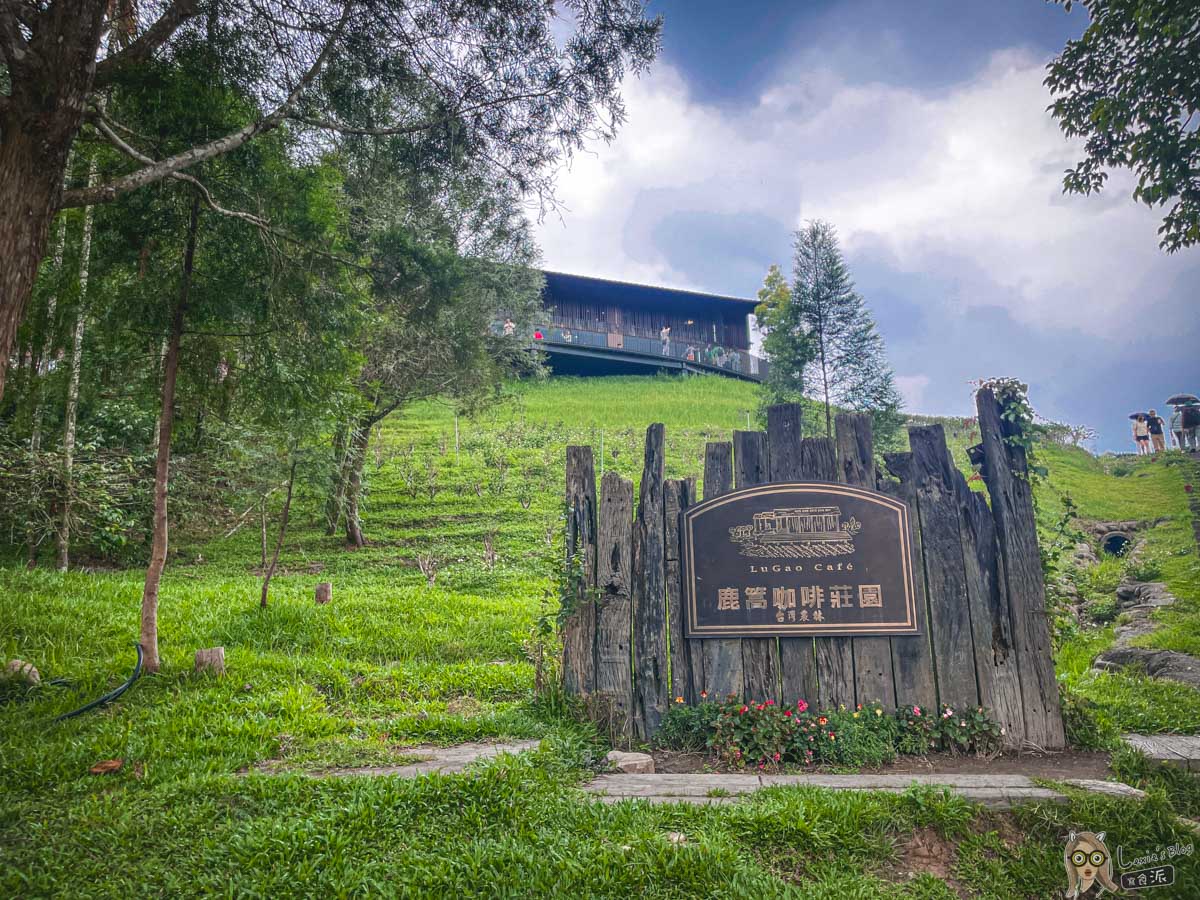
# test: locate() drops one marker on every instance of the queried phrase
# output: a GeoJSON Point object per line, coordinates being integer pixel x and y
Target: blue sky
{"type": "Point", "coordinates": [919, 130]}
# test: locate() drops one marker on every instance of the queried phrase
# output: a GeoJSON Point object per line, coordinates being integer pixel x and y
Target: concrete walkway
{"type": "Point", "coordinates": [994, 791]}
{"type": "Point", "coordinates": [1180, 750]}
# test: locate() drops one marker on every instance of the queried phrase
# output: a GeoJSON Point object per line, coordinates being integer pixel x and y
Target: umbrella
{"type": "Point", "coordinates": [1183, 400]}
{"type": "Point", "coordinates": [1142, 414]}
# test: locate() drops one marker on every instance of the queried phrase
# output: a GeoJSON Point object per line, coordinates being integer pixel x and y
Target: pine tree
{"type": "Point", "coordinates": [846, 364]}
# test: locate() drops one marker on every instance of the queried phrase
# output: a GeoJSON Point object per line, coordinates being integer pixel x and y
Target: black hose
{"type": "Point", "coordinates": [111, 695]}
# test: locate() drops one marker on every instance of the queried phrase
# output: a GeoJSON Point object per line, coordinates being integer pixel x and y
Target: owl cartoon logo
{"type": "Point", "coordinates": [1088, 861]}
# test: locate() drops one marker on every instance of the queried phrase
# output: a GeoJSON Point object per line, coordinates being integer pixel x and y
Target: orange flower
{"type": "Point", "coordinates": [823, 721]}
{"type": "Point", "coordinates": [678, 699]}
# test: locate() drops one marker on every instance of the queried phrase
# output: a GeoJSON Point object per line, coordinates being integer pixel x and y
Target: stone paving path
{"type": "Point", "coordinates": [1173, 749]}
{"type": "Point", "coordinates": [994, 791]}
{"type": "Point", "coordinates": [442, 760]}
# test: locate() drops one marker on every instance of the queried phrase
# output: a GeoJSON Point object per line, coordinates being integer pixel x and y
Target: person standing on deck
{"type": "Point", "coordinates": [1177, 426]}
{"type": "Point", "coordinates": [665, 336]}
{"type": "Point", "coordinates": [1190, 419]}
{"type": "Point", "coordinates": [1141, 434]}
{"type": "Point", "coordinates": [1157, 427]}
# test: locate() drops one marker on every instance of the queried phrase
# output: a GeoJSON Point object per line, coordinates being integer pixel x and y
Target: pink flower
{"type": "Point", "coordinates": [916, 710]}
{"type": "Point", "coordinates": [948, 713]}
{"type": "Point", "coordinates": [743, 710]}
{"type": "Point", "coordinates": [770, 703]}
{"type": "Point", "coordinates": [801, 706]}
{"type": "Point", "coordinates": [776, 757]}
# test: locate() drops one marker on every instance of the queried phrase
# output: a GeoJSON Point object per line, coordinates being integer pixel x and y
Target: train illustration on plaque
{"type": "Point", "coordinates": [801, 532]}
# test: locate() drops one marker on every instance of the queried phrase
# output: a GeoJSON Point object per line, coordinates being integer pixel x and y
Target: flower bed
{"type": "Point", "coordinates": [766, 735]}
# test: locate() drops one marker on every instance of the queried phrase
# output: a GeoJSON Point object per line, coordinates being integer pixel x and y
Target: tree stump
{"type": "Point", "coordinates": [211, 660]}
{"type": "Point", "coordinates": [324, 593]}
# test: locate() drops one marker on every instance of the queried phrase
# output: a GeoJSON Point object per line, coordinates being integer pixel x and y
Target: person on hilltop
{"type": "Point", "coordinates": [1190, 420]}
{"type": "Point", "coordinates": [1141, 434]}
{"type": "Point", "coordinates": [1177, 427]}
{"type": "Point", "coordinates": [1156, 426]}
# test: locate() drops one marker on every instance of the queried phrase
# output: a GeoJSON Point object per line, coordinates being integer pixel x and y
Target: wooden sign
{"type": "Point", "coordinates": [812, 558]}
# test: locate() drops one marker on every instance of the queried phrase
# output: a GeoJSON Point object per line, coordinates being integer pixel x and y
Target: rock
{"type": "Point", "coordinates": [324, 592]}
{"type": "Point", "coordinates": [1084, 554]}
{"type": "Point", "coordinates": [631, 763]}
{"type": "Point", "coordinates": [19, 670]}
{"type": "Point", "coordinates": [211, 660]}
{"type": "Point", "coordinates": [676, 837]}
{"type": "Point", "coordinates": [1155, 663]}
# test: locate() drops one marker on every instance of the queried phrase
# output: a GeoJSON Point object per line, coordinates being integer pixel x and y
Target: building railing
{"type": "Point", "coordinates": [693, 354]}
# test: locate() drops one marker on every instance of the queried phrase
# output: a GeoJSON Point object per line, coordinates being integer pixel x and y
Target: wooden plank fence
{"type": "Point", "coordinates": [984, 638]}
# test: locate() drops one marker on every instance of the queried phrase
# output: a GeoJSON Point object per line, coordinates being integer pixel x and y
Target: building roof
{"type": "Point", "coordinates": [585, 287]}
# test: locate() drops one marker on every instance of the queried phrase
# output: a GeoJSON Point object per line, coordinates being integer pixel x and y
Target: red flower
{"type": "Point", "coordinates": [770, 703]}
{"type": "Point", "coordinates": [759, 707]}
{"type": "Point", "coordinates": [1188, 488]}
{"type": "Point", "coordinates": [787, 713]}
{"type": "Point", "coordinates": [743, 710]}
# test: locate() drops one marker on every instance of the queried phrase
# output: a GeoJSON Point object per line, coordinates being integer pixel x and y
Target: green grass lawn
{"type": "Point", "coordinates": [393, 662]}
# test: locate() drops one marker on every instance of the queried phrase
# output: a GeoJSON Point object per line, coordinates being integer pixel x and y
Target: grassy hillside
{"type": "Point", "coordinates": [393, 662]}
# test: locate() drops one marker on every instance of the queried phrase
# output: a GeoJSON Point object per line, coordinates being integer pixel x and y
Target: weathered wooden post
{"type": "Point", "coordinates": [718, 661]}
{"type": "Point", "coordinates": [1006, 473]}
{"type": "Point", "coordinates": [677, 496]}
{"type": "Point", "coordinates": [323, 593]}
{"type": "Point", "coordinates": [950, 611]}
{"type": "Point", "coordinates": [911, 654]}
{"type": "Point", "coordinates": [835, 655]}
{"type": "Point", "coordinates": [614, 552]}
{"type": "Point", "coordinates": [873, 675]}
{"type": "Point", "coordinates": [760, 656]}
{"type": "Point", "coordinates": [995, 660]}
{"type": "Point", "coordinates": [579, 627]}
{"type": "Point", "coordinates": [211, 659]}
{"type": "Point", "coordinates": [649, 591]}
{"type": "Point", "coordinates": [797, 659]}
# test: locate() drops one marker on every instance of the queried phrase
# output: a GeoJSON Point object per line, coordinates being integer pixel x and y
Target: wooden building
{"type": "Point", "coordinates": [596, 326]}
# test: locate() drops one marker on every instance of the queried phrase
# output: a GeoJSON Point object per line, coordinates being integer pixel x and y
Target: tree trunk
{"type": "Point", "coordinates": [85, 256]}
{"type": "Point", "coordinates": [337, 493]}
{"type": "Point", "coordinates": [40, 119]}
{"type": "Point", "coordinates": [360, 437]}
{"type": "Point", "coordinates": [158, 553]}
{"type": "Point", "coordinates": [283, 523]}
{"type": "Point", "coordinates": [39, 379]}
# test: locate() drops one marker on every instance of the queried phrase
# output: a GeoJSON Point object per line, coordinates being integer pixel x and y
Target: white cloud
{"type": "Point", "coordinates": [967, 178]}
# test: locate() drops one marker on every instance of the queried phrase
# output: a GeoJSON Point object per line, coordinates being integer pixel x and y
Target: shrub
{"type": "Point", "coordinates": [1102, 610]}
{"type": "Point", "coordinates": [1145, 567]}
{"type": "Point", "coordinates": [1083, 729]}
{"type": "Point", "coordinates": [687, 727]}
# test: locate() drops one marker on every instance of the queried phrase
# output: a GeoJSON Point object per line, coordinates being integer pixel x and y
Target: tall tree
{"type": "Point", "coordinates": [848, 367]}
{"type": "Point", "coordinates": [511, 81]}
{"type": "Point", "coordinates": [1130, 86]}
{"type": "Point", "coordinates": [785, 341]}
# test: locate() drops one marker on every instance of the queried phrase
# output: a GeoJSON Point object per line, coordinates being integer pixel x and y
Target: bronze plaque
{"type": "Point", "coordinates": [810, 558]}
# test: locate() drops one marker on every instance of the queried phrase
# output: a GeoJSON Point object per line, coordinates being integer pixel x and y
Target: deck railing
{"type": "Point", "coordinates": [690, 354]}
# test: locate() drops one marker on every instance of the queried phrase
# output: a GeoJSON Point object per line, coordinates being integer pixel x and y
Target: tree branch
{"type": "Point", "coordinates": [105, 193]}
{"type": "Point", "coordinates": [150, 40]}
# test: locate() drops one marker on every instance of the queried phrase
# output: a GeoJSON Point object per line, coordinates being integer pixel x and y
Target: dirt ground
{"type": "Point", "coordinates": [1056, 766]}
